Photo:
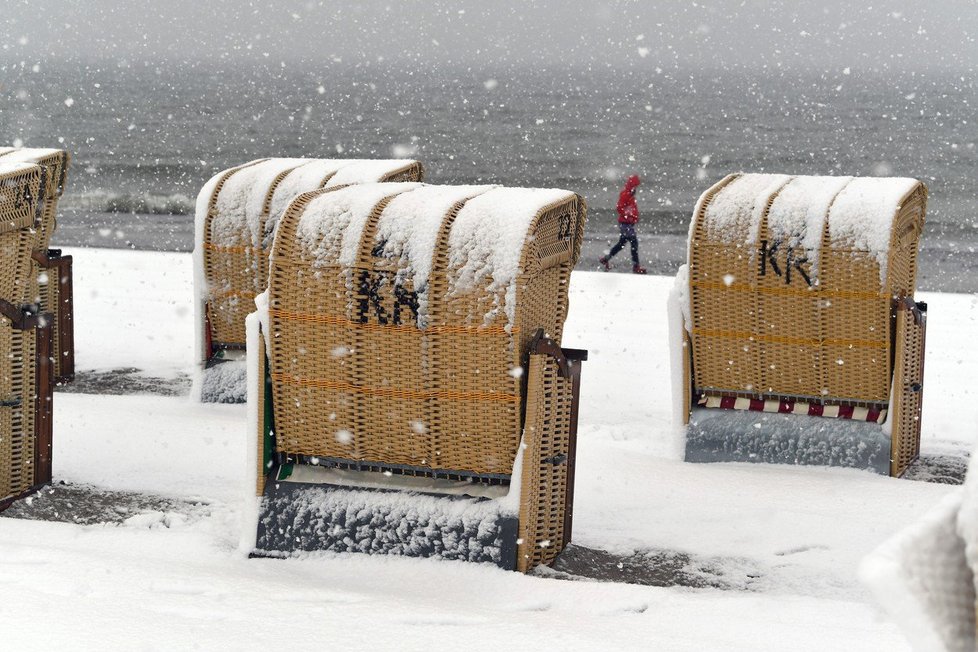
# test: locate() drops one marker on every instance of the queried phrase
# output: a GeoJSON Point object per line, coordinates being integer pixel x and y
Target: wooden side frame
{"type": "Point", "coordinates": [40, 324]}
{"type": "Point", "coordinates": [549, 452]}
{"type": "Point", "coordinates": [908, 383]}
{"type": "Point", "coordinates": [58, 299]}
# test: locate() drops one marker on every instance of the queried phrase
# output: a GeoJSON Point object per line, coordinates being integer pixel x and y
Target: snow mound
{"type": "Point", "coordinates": [967, 525]}
{"type": "Point", "coordinates": [226, 382]}
{"type": "Point", "coordinates": [716, 435]}
{"type": "Point", "coordinates": [921, 578]}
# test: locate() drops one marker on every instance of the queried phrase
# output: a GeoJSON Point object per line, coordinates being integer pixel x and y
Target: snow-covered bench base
{"type": "Point", "coordinates": [224, 382]}
{"type": "Point", "coordinates": [298, 517]}
{"type": "Point", "coordinates": [730, 436]}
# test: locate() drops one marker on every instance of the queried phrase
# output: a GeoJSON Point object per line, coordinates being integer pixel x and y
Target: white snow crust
{"type": "Point", "coordinates": [332, 225]}
{"type": "Point", "coordinates": [487, 238]}
{"type": "Point", "coordinates": [9, 167]}
{"type": "Point", "coordinates": [306, 177]}
{"type": "Point", "coordinates": [798, 213]}
{"type": "Point", "coordinates": [921, 578]}
{"type": "Point", "coordinates": [409, 228]}
{"type": "Point", "coordinates": [366, 171]}
{"type": "Point", "coordinates": [241, 200]}
{"type": "Point", "coordinates": [862, 215]}
{"type": "Point", "coordinates": [967, 525]}
{"type": "Point", "coordinates": [735, 213]}
{"type": "Point", "coordinates": [27, 154]}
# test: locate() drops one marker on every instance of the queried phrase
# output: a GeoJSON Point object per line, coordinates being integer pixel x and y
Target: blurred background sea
{"type": "Point", "coordinates": [144, 138]}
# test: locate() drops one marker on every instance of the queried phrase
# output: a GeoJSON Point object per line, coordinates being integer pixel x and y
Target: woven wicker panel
{"type": "Point", "coordinates": [45, 287]}
{"type": "Point", "coordinates": [19, 188]}
{"type": "Point", "coordinates": [544, 483]}
{"type": "Point", "coordinates": [725, 351]}
{"type": "Point", "coordinates": [236, 271]}
{"type": "Point", "coordinates": [767, 323]}
{"type": "Point", "coordinates": [352, 381]}
{"type": "Point", "coordinates": [17, 410]}
{"type": "Point", "coordinates": [482, 359]}
{"type": "Point", "coordinates": [54, 163]}
{"type": "Point", "coordinates": [315, 337]}
{"type": "Point", "coordinates": [411, 171]}
{"type": "Point", "coordinates": [234, 261]}
{"type": "Point", "coordinates": [908, 383]}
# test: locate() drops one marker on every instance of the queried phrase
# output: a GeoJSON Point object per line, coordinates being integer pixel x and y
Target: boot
{"type": "Point", "coordinates": [638, 269]}
{"type": "Point", "coordinates": [604, 261]}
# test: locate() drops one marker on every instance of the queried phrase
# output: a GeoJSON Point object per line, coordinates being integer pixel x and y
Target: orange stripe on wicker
{"type": "Point", "coordinates": [244, 294]}
{"type": "Point", "coordinates": [210, 246]}
{"type": "Point", "coordinates": [457, 329]}
{"type": "Point", "coordinates": [809, 293]}
{"type": "Point", "coordinates": [871, 344]}
{"type": "Point", "coordinates": [397, 392]}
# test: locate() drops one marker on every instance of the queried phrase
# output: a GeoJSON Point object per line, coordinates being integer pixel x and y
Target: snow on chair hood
{"type": "Point", "coordinates": [424, 271]}
{"type": "Point", "coordinates": [51, 283]}
{"type": "Point", "coordinates": [388, 350]}
{"type": "Point", "coordinates": [237, 214]}
{"type": "Point", "coordinates": [789, 295]}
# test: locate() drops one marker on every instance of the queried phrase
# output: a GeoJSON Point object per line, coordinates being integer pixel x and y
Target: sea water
{"type": "Point", "coordinates": [146, 136]}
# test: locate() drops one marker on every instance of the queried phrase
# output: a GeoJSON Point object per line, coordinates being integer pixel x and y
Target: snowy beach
{"type": "Point", "coordinates": [769, 554]}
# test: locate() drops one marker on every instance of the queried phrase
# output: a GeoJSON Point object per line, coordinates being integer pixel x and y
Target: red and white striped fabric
{"type": "Point", "coordinates": [876, 414]}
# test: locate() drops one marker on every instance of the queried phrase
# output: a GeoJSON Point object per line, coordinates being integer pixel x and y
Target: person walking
{"type": "Point", "coordinates": [627, 219]}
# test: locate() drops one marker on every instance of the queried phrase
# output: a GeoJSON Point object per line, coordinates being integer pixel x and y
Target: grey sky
{"type": "Point", "coordinates": [888, 34]}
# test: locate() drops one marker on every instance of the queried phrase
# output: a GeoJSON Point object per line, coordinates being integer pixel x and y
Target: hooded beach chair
{"type": "Point", "coordinates": [411, 395]}
{"type": "Point", "coordinates": [237, 213]}
{"type": "Point", "coordinates": [796, 338]}
{"type": "Point", "coordinates": [25, 342]}
{"type": "Point", "coordinates": [52, 285]}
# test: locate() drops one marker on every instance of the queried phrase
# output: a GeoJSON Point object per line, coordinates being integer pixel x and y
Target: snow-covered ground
{"type": "Point", "coordinates": [789, 539]}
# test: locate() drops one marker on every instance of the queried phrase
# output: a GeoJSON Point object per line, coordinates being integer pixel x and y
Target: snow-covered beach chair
{"type": "Point", "coordinates": [795, 336]}
{"type": "Point", "coordinates": [25, 342]}
{"type": "Point", "coordinates": [52, 288]}
{"type": "Point", "coordinates": [409, 394]}
{"type": "Point", "coordinates": [236, 217]}
{"type": "Point", "coordinates": [926, 576]}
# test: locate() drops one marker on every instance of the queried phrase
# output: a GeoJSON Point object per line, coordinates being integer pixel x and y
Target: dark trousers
{"type": "Point", "coordinates": [627, 235]}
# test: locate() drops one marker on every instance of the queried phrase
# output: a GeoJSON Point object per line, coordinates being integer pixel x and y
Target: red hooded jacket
{"type": "Point", "coordinates": [627, 208]}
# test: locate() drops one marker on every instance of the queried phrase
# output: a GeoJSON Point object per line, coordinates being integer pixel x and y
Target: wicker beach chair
{"type": "Point", "coordinates": [416, 350]}
{"type": "Point", "coordinates": [237, 215]}
{"type": "Point", "coordinates": [25, 340]}
{"type": "Point", "coordinates": [799, 341]}
{"type": "Point", "coordinates": [52, 279]}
